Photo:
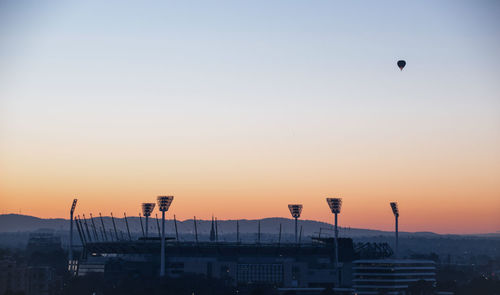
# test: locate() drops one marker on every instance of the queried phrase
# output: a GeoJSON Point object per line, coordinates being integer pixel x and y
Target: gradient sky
{"type": "Point", "coordinates": [240, 107]}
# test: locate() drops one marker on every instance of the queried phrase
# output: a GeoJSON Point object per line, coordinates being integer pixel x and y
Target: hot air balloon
{"type": "Point", "coordinates": [401, 64]}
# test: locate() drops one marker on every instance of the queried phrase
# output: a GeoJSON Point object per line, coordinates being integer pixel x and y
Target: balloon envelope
{"type": "Point", "coordinates": [401, 64]}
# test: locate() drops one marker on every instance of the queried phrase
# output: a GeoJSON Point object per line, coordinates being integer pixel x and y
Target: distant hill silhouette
{"type": "Point", "coordinates": [269, 226]}
{"type": "Point", "coordinates": [15, 230]}
{"type": "Point", "coordinates": [22, 223]}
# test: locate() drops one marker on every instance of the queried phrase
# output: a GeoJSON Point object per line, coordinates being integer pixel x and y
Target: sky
{"type": "Point", "coordinates": [238, 108]}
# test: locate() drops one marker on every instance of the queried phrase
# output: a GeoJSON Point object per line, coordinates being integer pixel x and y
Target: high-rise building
{"type": "Point", "coordinates": [393, 276]}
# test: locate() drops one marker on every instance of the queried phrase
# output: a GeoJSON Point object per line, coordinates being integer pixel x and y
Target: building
{"type": "Point", "coordinates": [40, 280]}
{"type": "Point", "coordinates": [12, 276]}
{"type": "Point", "coordinates": [43, 242]}
{"type": "Point", "coordinates": [281, 265]}
{"type": "Point", "coordinates": [394, 276]}
{"type": "Point", "coordinates": [26, 279]}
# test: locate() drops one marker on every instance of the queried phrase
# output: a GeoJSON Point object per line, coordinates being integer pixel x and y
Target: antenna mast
{"type": "Point", "coordinates": [80, 231]}
{"type": "Point", "coordinates": [216, 231]}
{"type": "Point", "coordinates": [103, 228]}
{"type": "Point", "coordinates": [395, 211]}
{"type": "Point", "coordinates": [128, 229]}
{"type": "Point", "coordinates": [237, 231]}
{"type": "Point", "coordinates": [93, 227]}
{"type": "Point", "coordinates": [87, 228]}
{"type": "Point", "coordinates": [142, 227]}
{"type": "Point", "coordinates": [176, 232]}
{"type": "Point", "coordinates": [279, 237]}
{"type": "Point", "coordinates": [258, 234]}
{"type": "Point", "coordinates": [114, 226]}
{"type": "Point", "coordinates": [73, 206]}
{"type": "Point", "coordinates": [195, 230]}
{"type": "Point", "coordinates": [157, 224]}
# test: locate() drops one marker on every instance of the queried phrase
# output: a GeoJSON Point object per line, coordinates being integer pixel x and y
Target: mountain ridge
{"type": "Point", "coordinates": [270, 225]}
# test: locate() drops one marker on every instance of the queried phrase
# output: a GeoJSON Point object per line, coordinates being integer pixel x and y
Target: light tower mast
{"type": "Point", "coordinates": [164, 203]}
{"type": "Point", "coordinates": [147, 209]}
{"type": "Point", "coordinates": [335, 205]}
{"type": "Point", "coordinates": [395, 211]}
{"type": "Point", "coordinates": [295, 210]}
{"type": "Point", "coordinates": [73, 206]}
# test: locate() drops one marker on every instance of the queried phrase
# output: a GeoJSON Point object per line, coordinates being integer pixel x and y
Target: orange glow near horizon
{"type": "Point", "coordinates": [429, 200]}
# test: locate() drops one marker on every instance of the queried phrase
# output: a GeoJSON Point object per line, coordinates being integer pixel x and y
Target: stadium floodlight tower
{"type": "Point", "coordinates": [395, 210]}
{"type": "Point", "coordinates": [70, 254]}
{"type": "Point", "coordinates": [295, 210]}
{"type": "Point", "coordinates": [164, 203]}
{"type": "Point", "coordinates": [147, 209]}
{"type": "Point", "coordinates": [335, 205]}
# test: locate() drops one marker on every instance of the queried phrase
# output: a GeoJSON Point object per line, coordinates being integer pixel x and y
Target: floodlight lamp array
{"type": "Point", "coordinates": [295, 210]}
{"type": "Point", "coordinates": [395, 210]}
{"type": "Point", "coordinates": [335, 204]}
{"type": "Point", "coordinates": [164, 202]}
{"type": "Point", "coordinates": [147, 209]}
{"type": "Point", "coordinates": [73, 206]}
